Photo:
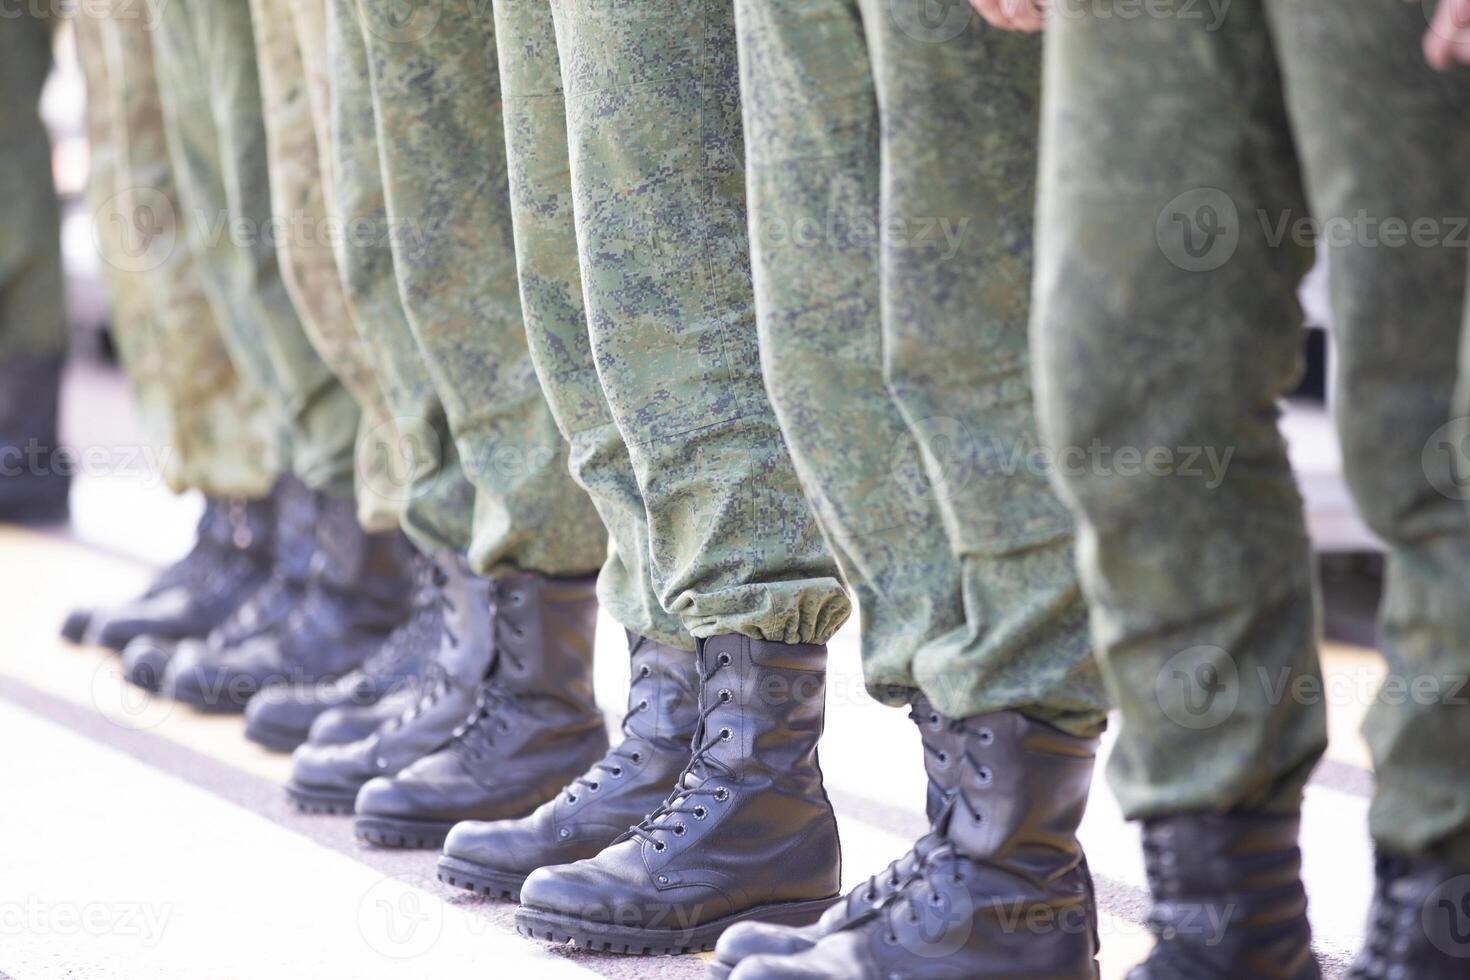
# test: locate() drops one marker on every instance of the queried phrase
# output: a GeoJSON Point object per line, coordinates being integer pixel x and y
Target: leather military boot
{"type": "Point", "coordinates": [747, 833]}
{"type": "Point", "coordinates": [1005, 894]}
{"type": "Point", "coordinates": [230, 559]}
{"type": "Point", "coordinates": [350, 722]}
{"type": "Point", "coordinates": [264, 611]}
{"type": "Point", "coordinates": [942, 740]}
{"type": "Point", "coordinates": [534, 728]}
{"type": "Point", "coordinates": [35, 475]}
{"type": "Point", "coordinates": [602, 803]}
{"type": "Point", "coordinates": [1228, 900]}
{"type": "Point", "coordinates": [359, 589]}
{"type": "Point", "coordinates": [1419, 927]}
{"type": "Point", "coordinates": [281, 715]}
{"type": "Point", "coordinates": [145, 659]}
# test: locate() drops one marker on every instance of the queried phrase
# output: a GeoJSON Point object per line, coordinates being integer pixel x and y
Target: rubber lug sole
{"type": "Point", "coordinates": [556, 927]}
{"type": "Point", "coordinates": [309, 799]}
{"type": "Point", "coordinates": [477, 878]}
{"type": "Point", "coordinates": [408, 834]}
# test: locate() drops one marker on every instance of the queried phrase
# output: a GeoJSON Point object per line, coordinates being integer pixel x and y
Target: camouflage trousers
{"type": "Point", "coordinates": [296, 107]}
{"type": "Point", "coordinates": [629, 214]}
{"type": "Point", "coordinates": [210, 85]}
{"type": "Point", "coordinates": [1182, 157]}
{"type": "Point", "coordinates": [213, 431]}
{"type": "Point", "coordinates": [891, 163]}
{"type": "Point", "coordinates": [32, 313]}
{"type": "Point", "coordinates": [431, 280]}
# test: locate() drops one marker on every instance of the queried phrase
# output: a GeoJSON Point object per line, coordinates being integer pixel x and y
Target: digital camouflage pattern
{"type": "Point", "coordinates": [657, 167]}
{"type": "Point", "coordinates": [209, 80]}
{"type": "Point", "coordinates": [215, 431]}
{"type": "Point", "coordinates": [1175, 150]}
{"type": "Point", "coordinates": [441, 139]}
{"type": "Point", "coordinates": [891, 162]}
{"type": "Point", "coordinates": [297, 125]}
{"type": "Point", "coordinates": [555, 321]}
{"type": "Point", "coordinates": [32, 311]}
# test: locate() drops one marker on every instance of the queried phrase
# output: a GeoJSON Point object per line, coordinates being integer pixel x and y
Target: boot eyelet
{"type": "Point", "coordinates": [616, 771]}
{"type": "Point", "coordinates": [986, 736]}
{"type": "Point", "coordinates": [594, 787]}
{"type": "Point", "coordinates": [571, 797]}
{"type": "Point", "coordinates": [643, 705]}
{"type": "Point", "coordinates": [726, 734]}
{"type": "Point", "coordinates": [724, 660]}
{"type": "Point", "coordinates": [660, 846]}
{"type": "Point", "coordinates": [722, 794]}
{"type": "Point", "coordinates": [870, 896]}
{"type": "Point", "coordinates": [934, 720]}
{"type": "Point", "coordinates": [942, 760]}
{"type": "Point", "coordinates": [637, 757]}
{"type": "Point", "coordinates": [518, 598]}
{"type": "Point", "coordinates": [985, 775]}
{"type": "Point", "coordinates": [936, 899]}
{"type": "Point", "coordinates": [680, 830]}
{"type": "Point", "coordinates": [564, 833]}
{"type": "Point", "coordinates": [726, 696]}
{"type": "Point", "coordinates": [700, 813]}
{"type": "Point", "coordinates": [645, 671]}
{"type": "Point", "coordinates": [890, 938]}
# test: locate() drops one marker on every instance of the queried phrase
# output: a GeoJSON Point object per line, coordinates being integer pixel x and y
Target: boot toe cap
{"type": "Point", "coordinates": [345, 723]}
{"type": "Point", "coordinates": [146, 660]}
{"type": "Point", "coordinates": [506, 845]}
{"type": "Point", "coordinates": [333, 767]}
{"type": "Point", "coordinates": [74, 627]}
{"type": "Point", "coordinates": [747, 939]}
{"type": "Point", "coordinates": [583, 890]}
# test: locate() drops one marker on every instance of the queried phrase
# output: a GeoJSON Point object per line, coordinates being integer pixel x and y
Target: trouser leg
{"type": "Point", "coordinates": [556, 323]}
{"type": "Point", "coordinates": [1385, 183]}
{"type": "Point", "coordinates": [1164, 334]}
{"type": "Point", "coordinates": [436, 97]}
{"type": "Point", "coordinates": [32, 310]}
{"type": "Point", "coordinates": [437, 501]}
{"type": "Point", "coordinates": [661, 230]}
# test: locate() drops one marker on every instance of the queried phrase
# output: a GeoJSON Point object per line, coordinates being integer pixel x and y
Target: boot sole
{"type": "Point", "coordinates": [311, 800]}
{"type": "Point", "coordinates": [555, 927]}
{"type": "Point", "coordinates": [406, 834]}
{"type": "Point", "coordinates": [480, 879]}
{"type": "Point", "coordinates": [273, 738]}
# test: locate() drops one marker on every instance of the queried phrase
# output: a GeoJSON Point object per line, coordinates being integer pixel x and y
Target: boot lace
{"type": "Point", "coordinates": [408, 642]}
{"type": "Point", "coordinates": [694, 782]}
{"type": "Point", "coordinates": [476, 735]}
{"type": "Point", "coordinates": [1389, 919]}
{"type": "Point", "coordinates": [613, 763]}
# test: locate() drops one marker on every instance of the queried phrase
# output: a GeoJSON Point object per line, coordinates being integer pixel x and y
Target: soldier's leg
{"type": "Point", "coordinates": [34, 478]}
{"type": "Point", "coordinates": [1384, 183]}
{"type": "Point", "coordinates": [876, 255]}
{"type": "Point", "coordinates": [1166, 329]}
{"type": "Point", "coordinates": [436, 96]}
{"type": "Point", "coordinates": [295, 122]}
{"type": "Point", "coordinates": [812, 132]}
{"type": "Point", "coordinates": [496, 857]}
{"type": "Point", "coordinates": [435, 500]}
{"type": "Point", "coordinates": [653, 114]}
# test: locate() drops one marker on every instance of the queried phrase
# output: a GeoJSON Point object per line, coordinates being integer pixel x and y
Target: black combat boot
{"type": "Point", "coordinates": [1228, 899]}
{"type": "Point", "coordinates": [1419, 927]}
{"type": "Point", "coordinates": [35, 476]}
{"type": "Point", "coordinates": [281, 715]}
{"type": "Point", "coordinates": [942, 740]}
{"type": "Point", "coordinates": [598, 806]}
{"type": "Point", "coordinates": [230, 559]}
{"type": "Point", "coordinates": [359, 589]}
{"type": "Point", "coordinates": [328, 771]}
{"type": "Point", "coordinates": [1004, 893]}
{"type": "Point", "coordinates": [534, 728]}
{"type": "Point", "coordinates": [264, 611]}
{"type": "Point", "coordinates": [350, 722]}
{"type": "Point", "coordinates": [747, 833]}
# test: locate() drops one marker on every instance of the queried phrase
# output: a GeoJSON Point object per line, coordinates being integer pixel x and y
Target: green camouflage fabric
{"type": "Point", "coordinates": [555, 321]}
{"type": "Point", "coordinates": [891, 169]}
{"type": "Point", "coordinates": [441, 140]}
{"type": "Point", "coordinates": [1181, 155]}
{"type": "Point", "coordinates": [208, 76]}
{"type": "Point", "coordinates": [297, 108]}
{"type": "Point", "coordinates": [32, 305]}
{"type": "Point", "coordinates": [215, 432]}
{"type": "Point", "coordinates": [656, 160]}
